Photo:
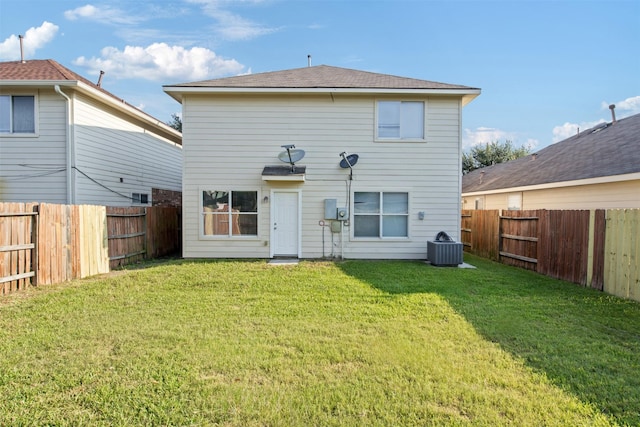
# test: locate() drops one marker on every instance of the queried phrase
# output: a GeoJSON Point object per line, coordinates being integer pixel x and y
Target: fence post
{"type": "Point", "coordinates": [34, 240]}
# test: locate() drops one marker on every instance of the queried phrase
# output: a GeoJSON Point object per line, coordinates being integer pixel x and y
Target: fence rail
{"type": "Point", "coordinates": [595, 248]}
{"type": "Point", "coordinates": [47, 243]}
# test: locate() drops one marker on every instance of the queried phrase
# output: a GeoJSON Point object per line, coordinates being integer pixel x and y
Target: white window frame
{"type": "Point", "coordinates": [136, 199]}
{"type": "Point", "coordinates": [230, 235]}
{"type": "Point", "coordinates": [380, 216]}
{"type": "Point", "coordinates": [514, 202]}
{"type": "Point", "coordinates": [13, 134]}
{"type": "Point", "coordinates": [400, 138]}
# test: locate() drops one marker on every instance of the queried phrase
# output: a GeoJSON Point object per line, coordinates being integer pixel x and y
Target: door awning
{"type": "Point", "coordinates": [284, 173]}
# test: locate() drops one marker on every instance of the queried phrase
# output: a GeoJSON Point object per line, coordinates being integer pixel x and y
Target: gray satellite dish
{"type": "Point", "coordinates": [291, 156]}
{"type": "Point", "coordinates": [348, 161]}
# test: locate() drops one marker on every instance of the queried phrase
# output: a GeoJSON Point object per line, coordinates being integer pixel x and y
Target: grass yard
{"type": "Point", "coordinates": [352, 343]}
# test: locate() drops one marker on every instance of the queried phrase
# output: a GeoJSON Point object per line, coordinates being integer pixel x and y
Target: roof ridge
{"type": "Point", "coordinates": [65, 72]}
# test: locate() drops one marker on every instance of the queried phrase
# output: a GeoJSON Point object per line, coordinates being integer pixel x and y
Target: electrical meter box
{"type": "Point", "coordinates": [343, 214]}
{"type": "Point", "coordinates": [330, 209]}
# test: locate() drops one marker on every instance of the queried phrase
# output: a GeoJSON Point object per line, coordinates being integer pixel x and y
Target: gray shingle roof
{"type": "Point", "coordinates": [321, 76]}
{"type": "Point", "coordinates": [604, 150]}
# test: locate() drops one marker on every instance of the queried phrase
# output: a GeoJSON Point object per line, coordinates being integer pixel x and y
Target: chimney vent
{"type": "Point", "coordinates": [534, 156]}
{"type": "Point", "coordinates": [308, 60]}
{"type": "Point", "coordinates": [21, 37]}
{"type": "Point", "coordinates": [99, 84]}
{"type": "Point", "coordinates": [612, 107]}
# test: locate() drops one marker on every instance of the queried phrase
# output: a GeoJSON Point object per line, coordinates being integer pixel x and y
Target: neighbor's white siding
{"type": "Point", "coordinates": [228, 140]}
{"type": "Point", "coordinates": [121, 155]}
{"type": "Point", "coordinates": [33, 167]}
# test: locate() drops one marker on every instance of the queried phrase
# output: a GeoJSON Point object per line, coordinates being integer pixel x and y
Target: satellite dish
{"type": "Point", "coordinates": [348, 161]}
{"type": "Point", "coordinates": [291, 155]}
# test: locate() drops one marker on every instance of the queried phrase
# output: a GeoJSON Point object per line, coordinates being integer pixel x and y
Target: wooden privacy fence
{"type": "Point", "coordinates": [142, 233]}
{"type": "Point", "coordinates": [597, 248]}
{"type": "Point", "coordinates": [44, 243]}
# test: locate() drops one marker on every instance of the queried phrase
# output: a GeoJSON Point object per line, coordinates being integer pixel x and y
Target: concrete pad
{"type": "Point", "coordinates": [281, 261]}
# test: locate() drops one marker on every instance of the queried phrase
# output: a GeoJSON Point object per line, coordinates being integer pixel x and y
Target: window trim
{"type": "Point", "coordinates": [514, 197]}
{"type": "Point", "coordinates": [137, 201]}
{"type": "Point", "coordinates": [354, 238]}
{"type": "Point", "coordinates": [376, 120]}
{"type": "Point", "coordinates": [36, 120]}
{"type": "Point", "coordinates": [229, 236]}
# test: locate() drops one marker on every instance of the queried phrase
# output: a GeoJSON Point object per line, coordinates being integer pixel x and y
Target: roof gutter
{"type": "Point", "coordinates": [69, 147]}
{"type": "Point", "coordinates": [176, 92]}
{"type": "Point", "coordinates": [170, 133]}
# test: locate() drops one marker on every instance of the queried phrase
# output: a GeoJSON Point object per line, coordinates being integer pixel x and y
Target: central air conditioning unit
{"type": "Point", "coordinates": [444, 251]}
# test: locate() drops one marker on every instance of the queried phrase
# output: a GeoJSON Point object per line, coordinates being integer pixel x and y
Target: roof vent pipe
{"type": "Point", "coordinates": [99, 84]}
{"type": "Point", "coordinates": [21, 37]}
{"type": "Point", "coordinates": [308, 60]}
{"type": "Point", "coordinates": [612, 107]}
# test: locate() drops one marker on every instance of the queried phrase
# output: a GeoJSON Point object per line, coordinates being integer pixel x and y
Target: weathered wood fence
{"type": "Point", "coordinates": [43, 243]}
{"type": "Point", "coordinates": [597, 248]}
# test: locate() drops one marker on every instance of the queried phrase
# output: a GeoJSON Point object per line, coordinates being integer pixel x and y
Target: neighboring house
{"type": "Point", "coordinates": [239, 200]}
{"type": "Point", "coordinates": [66, 140]}
{"type": "Point", "coordinates": [598, 168]}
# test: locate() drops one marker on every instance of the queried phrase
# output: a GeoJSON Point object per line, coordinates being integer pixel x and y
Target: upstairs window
{"type": "Point", "coordinates": [399, 120]}
{"type": "Point", "coordinates": [17, 114]}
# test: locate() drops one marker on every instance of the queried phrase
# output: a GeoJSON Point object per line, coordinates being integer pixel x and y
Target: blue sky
{"type": "Point", "coordinates": [545, 67]}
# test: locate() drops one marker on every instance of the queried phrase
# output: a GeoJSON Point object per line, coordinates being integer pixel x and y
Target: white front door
{"type": "Point", "coordinates": [285, 224]}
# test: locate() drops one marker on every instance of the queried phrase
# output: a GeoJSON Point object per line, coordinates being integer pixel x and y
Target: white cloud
{"type": "Point", "coordinates": [34, 39]}
{"type": "Point", "coordinates": [485, 135]}
{"type": "Point", "coordinates": [232, 26]}
{"type": "Point", "coordinates": [105, 15]}
{"type": "Point", "coordinates": [568, 130]}
{"type": "Point", "coordinates": [161, 62]}
{"type": "Point", "coordinates": [626, 107]}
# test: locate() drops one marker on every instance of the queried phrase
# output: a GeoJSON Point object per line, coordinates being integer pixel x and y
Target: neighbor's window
{"type": "Point", "coordinates": [514, 202]}
{"type": "Point", "coordinates": [384, 214]}
{"type": "Point", "coordinates": [400, 120]}
{"type": "Point", "coordinates": [17, 114]}
{"type": "Point", "coordinates": [230, 213]}
{"type": "Point", "coordinates": [140, 198]}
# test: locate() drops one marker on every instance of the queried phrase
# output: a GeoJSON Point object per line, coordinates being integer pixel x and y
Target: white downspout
{"type": "Point", "coordinates": [69, 148]}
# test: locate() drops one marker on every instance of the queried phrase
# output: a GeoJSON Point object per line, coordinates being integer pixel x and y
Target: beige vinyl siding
{"type": "Point", "coordinates": [616, 195]}
{"type": "Point", "coordinates": [111, 147]}
{"type": "Point", "coordinates": [229, 139]}
{"type": "Point", "coordinates": [32, 168]}
{"type": "Point", "coordinates": [612, 195]}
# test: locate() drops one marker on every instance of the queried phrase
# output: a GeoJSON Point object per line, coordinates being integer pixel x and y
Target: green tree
{"type": "Point", "coordinates": [491, 153]}
{"type": "Point", "coordinates": [176, 122]}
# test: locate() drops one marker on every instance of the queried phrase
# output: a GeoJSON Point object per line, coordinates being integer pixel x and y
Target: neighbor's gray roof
{"type": "Point", "coordinates": [604, 150]}
{"type": "Point", "coordinates": [321, 76]}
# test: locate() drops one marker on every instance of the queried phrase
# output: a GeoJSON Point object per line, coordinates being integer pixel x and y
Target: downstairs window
{"type": "Point", "coordinates": [380, 214]}
{"type": "Point", "coordinates": [230, 213]}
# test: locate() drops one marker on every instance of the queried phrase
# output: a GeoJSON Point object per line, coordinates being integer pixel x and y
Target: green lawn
{"type": "Point", "coordinates": [352, 343]}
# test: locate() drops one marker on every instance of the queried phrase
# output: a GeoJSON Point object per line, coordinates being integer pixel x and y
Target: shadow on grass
{"type": "Point", "coordinates": [586, 342]}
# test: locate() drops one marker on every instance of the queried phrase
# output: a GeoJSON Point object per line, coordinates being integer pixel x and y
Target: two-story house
{"type": "Point", "coordinates": [374, 172]}
{"type": "Point", "coordinates": [64, 139]}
